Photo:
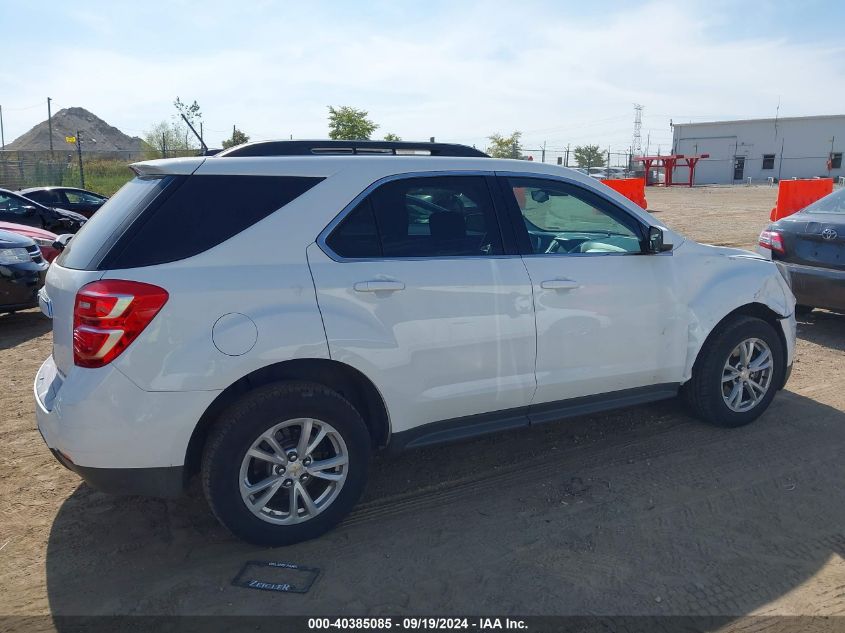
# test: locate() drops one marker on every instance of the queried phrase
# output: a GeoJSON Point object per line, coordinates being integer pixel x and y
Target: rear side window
{"type": "Point", "coordinates": [442, 216]}
{"type": "Point", "coordinates": [357, 236]}
{"type": "Point", "coordinates": [42, 197]}
{"type": "Point", "coordinates": [199, 214]}
{"type": "Point", "coordinates": [97, 236]}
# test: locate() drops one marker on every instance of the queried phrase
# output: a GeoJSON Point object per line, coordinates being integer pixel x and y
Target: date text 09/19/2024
{"type": "Point", "coordinates": [417, 623]}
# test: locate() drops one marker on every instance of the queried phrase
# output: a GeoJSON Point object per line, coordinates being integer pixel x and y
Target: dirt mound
{"type": "Point", "coordinates": [97, 135]}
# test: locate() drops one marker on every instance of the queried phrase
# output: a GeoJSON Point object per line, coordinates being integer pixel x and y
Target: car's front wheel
{"type": "Point", "coordinates": [286, 463]}
{"type": "Point", "coordinates": [737, 373]}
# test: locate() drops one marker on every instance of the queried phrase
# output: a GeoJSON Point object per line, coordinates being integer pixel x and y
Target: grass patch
{"type": "Point", "coordinates": [101, 176]}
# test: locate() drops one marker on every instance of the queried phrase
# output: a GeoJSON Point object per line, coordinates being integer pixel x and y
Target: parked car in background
{"type": "Point", "coordinates": [20, 210]}
{"type": "Point", "coordinates": [81, 201]}
{"type": "Point", "coordinates": [359, 301]}
{"type": "Point", "coordinates": [600, 173]}
{"type": "Point", "coordinates": [809, 246]}
{"type": "Point", "coordinates": [22, 270]}
{"type": "Point", "coordinates": [43, 238]}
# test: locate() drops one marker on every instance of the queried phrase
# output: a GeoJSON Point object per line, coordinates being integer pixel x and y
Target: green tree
{"type": "Point", "coordinates": [192, 112]}
{"type": "Point", "coordinates": [390, 136]}
{"type": "Point", "coordinates": [589, 156]}
{"type": "Point", "coordinates": [238, 138]}
{"type": "Point", "coordinates": [193, 115]}
{"type": "Point", "coordinates": [347, 123]}
{"type": "Point", "coordinates": [166, 139]}
{"type": "Point", "coordinates": [504, 146]}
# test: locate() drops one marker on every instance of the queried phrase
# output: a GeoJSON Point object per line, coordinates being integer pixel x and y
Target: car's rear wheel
{"type": "Point", "coordinates": [286, 463]}
{"type": "Point", "coordinates": [737, 373]}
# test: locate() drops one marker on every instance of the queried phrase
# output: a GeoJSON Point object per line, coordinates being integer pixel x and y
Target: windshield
{"type": "Point", "coordinates": [831, 203]}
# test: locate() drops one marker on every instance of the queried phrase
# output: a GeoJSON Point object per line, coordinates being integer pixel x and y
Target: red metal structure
{"type": "Point", "coordinates": [669, 163]}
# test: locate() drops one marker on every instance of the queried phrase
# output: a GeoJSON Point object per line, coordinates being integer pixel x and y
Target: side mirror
{"type": "Point", "coordinates": [655, 242]}
{"type": "Point", "coordinates": [28, 209]}
{"type": "Point", "coordinates": [61, 241]}
{"type": "Point", "coordinates": [538, 195]}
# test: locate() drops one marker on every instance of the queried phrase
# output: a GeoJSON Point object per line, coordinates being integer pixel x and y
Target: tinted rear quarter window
{"type": "Point", "coordinates": [85, 250]}
{"type": "Point", "coordinates": [201, 213]}
{"type": "Point", "coordinates": [357, 235]}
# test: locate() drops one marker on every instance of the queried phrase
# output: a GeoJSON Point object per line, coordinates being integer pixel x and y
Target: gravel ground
{"type": "Point", "coordinates": [636, 512]}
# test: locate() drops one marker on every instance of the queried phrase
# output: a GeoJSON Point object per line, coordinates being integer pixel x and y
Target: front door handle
{"type": "Point", "coordinates": [379, 285]}
{"type": "Point", "coordinates": [559, 284]}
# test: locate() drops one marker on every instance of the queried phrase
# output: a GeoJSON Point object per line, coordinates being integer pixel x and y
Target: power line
{"type": "Point", "coordinates": [30, 107]}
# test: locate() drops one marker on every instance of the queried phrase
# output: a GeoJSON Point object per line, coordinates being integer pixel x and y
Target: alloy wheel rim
{"type": "Point", "coordinates": [293, 471]}
{"type": "Point", "coordinates": [747, 375]}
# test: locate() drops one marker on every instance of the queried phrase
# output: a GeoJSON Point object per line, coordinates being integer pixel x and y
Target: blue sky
{"type": "Point", "coordinates": [561, 72]}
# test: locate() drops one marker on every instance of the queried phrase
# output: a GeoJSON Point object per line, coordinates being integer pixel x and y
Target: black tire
{"type": "Point", "coordinates": [703, 392]}
{"type": "Point", "coordinates": [803, 310]}
{"type": "Point", "coordinates": [242, 423]}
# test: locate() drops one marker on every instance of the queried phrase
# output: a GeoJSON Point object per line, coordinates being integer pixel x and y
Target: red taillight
{"type": "Point", "coordinates": [108, 315]}
{"type": "Point", "coordinates": [772, 240]}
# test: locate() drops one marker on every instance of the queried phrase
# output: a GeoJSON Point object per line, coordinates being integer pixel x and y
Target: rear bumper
{"type": "Point", "coordinates": [165, 482]}
{"type": "Point", "coordinates": [118, 437]}
{"type": "Point", "coordinates": [816, 287]}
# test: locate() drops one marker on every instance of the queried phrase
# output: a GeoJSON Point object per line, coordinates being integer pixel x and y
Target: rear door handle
{"type": "Point", "coordinates": [559, 284]}
{"type": "Point", "coordinates": [379, 285]}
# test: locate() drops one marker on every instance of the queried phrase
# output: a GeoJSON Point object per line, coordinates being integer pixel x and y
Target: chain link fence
{"type": "Point", "coordinates": [106, 172]}
{"type": "Point", "coordinates": [723, 170]}
{"type": "Point", "coordinates": [102, 172]}
{"type": "Point", "coordinates": [758, 169]}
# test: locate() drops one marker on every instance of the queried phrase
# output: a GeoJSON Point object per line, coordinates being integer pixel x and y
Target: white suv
{"type": "Point", "coordinates": [269, 316]}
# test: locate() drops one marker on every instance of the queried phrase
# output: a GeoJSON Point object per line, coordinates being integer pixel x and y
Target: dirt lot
{"type": "Point", "coordinates": [644, 511]}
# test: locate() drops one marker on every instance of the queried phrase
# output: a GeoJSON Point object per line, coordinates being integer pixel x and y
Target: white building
{"type": "Point", "coordinates": [783, 148]}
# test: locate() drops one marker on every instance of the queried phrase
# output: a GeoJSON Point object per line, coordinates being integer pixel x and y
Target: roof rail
{"type": "Point", "coordinates": [348, 148]}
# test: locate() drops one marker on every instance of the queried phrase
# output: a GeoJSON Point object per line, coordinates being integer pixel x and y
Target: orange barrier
{"type": "Point", "coordinates": [631, 188]}
{"type": "Point", "coordinates": [519, 192]}
{"type": "Point", "coordinates": [794, 195]}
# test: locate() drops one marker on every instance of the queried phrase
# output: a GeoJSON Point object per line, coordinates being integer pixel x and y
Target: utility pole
{"type": "Point", "coordinates": [566, 157]}
{"type": "Point", "coordinates": [780, 163]}
{"type": "Point", "coordinates": [50, 124]}
{"type": "Point", "coordinates": [79, 154]}
{"type": "Point", "coordinates": [543, 154]}
{"type": "Point", "coordinates": [830, 156]}
{"type": "Point", "coordinates": [2, 136]}
{"type": "Point", "coordinates": [607, 165]}
{"type": "Point", "coordinates": [199, 136]}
